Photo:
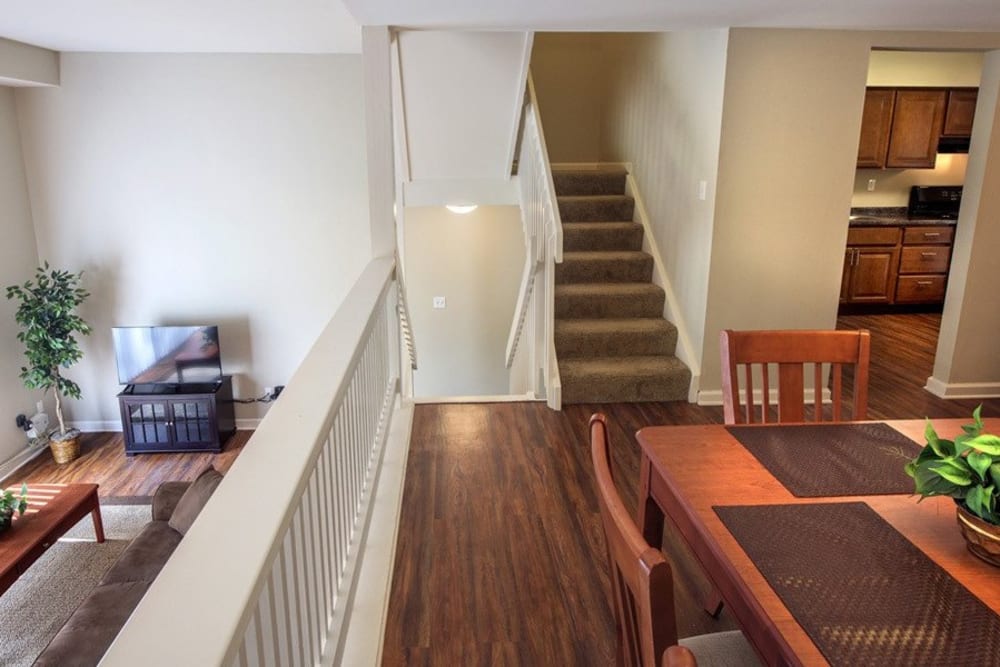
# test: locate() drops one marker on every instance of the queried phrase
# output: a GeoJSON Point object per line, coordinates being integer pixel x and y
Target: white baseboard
{"type": "Point", "coordinates": [22, 457]}
{"type": "Point", "coordinates": [714, 396]}
{"type": "Point", "coordinates": [501, 398]}
{"type": "Point", "coordinates": [962, 389]}
{"type": "Point", "coordinates": [98, 426]}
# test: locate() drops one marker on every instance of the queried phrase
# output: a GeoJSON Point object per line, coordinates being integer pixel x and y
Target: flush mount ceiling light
{"type": "Point", "coordinates": [461, 209]}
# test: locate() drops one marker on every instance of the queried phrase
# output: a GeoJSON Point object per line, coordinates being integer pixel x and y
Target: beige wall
{"type": "Point", "coordinates": [474, 261]}
{"type": "Point", "coordinates": [786, 169]}
{"type": "Point", "coordinates": [18, 258]}
{"type": "Point", "coordinates": [892, 186]}
{"type": "Point", "coordinates": [569, 71]}
{"type": "Point", "coordinates": [664, 115]}
{"type": "Point", "coordinates": [967, 361]}
{"type": "Point", "coordinates": [216, 189]}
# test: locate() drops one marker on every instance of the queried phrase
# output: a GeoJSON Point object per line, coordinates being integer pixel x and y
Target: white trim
{"type": "Point", "coordinates": [22, 457]}
{"type": "Point", "coordinates": [495, 398]}
{"type": "Point", "coordinates": [671, 307]}
{"type": "Point", "coordinates": [242, 424]}
{"type": "Point", "coordinates": [366, 626]}
{"type": "Point", "coordinates": [714, 396]}
{"type": "Point", "coordinates": [529, 40]}
{"type": "Point", "coordinates": [399, 110]}
{"type": "Point", "coordinates": [962, 389]}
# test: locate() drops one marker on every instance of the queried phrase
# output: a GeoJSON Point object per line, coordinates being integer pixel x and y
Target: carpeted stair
{"type": "Point", "coordinates": [611, 339]}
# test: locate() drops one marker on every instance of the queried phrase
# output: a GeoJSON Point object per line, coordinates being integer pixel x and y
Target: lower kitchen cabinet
{"type": "Point", "coordinates": [871, 265]}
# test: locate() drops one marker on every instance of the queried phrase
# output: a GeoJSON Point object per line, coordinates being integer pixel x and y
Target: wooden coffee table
{"type": "Point", "coordinates": [52, 510]}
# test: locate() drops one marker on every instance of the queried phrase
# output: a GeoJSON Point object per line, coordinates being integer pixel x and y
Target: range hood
{"type": "Point", "coordinates": [953, 145]}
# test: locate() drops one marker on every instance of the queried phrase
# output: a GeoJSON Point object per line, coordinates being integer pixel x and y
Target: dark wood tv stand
{"type": "Point", "coordinates": [177, 418]}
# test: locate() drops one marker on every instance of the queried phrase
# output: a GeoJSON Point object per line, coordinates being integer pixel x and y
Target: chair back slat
{"type": "Point", "coordinates": [641, 580]}
{"type": "Point", "coordinates": [790, 350]}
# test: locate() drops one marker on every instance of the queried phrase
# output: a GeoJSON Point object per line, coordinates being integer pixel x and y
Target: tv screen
{"type": "Point", "coordinates": [167, 355]}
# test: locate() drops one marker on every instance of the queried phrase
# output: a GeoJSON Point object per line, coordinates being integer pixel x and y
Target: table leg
{"type": "Point", "coordinates": [650, 517]}
{"type": "Point", "coordinates": [95, 514]}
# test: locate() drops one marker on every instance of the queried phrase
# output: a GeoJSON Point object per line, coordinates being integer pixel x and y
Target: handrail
{"type": "Point", "coordinates": [267, 572]}
{"type": "Point", "coordinates": [542, 224]}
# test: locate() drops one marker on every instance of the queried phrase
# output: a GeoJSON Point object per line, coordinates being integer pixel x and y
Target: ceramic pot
{"type": "Point", "coordinates": [982, 538]}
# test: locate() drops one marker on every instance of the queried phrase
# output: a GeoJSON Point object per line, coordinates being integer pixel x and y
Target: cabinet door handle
{"type": "Point", "coordinates": [857, 257]}
{"type": "Point", "coordinates": [925, 282]}
{"type": "Point", "coordinates": [931, 235]}
{"type": "Point", "coordinates": [928, 254]}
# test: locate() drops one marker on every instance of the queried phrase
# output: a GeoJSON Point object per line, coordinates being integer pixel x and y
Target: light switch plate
{"type": "Point", "coordinates": [440, 302]}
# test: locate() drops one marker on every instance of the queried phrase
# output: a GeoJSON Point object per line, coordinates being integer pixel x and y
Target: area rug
{"type": "Point", "coordinates": [41, 600]}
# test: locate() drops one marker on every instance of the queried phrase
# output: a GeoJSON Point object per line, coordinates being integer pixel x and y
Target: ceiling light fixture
{"type": "Point", "coordinates": [461, 209]}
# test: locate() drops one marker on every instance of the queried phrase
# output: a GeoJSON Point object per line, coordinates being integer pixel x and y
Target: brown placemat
{"type": "Point", "coordinates": [863, 592]}
{"type": "Point", "coordinates": [816, 460]}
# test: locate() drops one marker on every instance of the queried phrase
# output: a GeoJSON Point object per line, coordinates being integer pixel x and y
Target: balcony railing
{"type": "Point", "coordinates": [268, 572]}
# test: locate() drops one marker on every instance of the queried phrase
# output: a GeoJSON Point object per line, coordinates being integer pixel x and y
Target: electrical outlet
{"type": "Point", "coordinates": [268, 392]}
{"type": "Point", "coordinates": [871, 185]}
{"type": "Point", "coordinates": [277, 392]}
{"type": "Point", "coordinates": [440, 302]}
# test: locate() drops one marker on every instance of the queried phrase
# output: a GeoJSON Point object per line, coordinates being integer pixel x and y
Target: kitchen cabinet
{"type": "Point", "coordinates": [871, 265]}
{"type": "Point", "coordinates": [875, 125]}
{"type": "Point", "coordinates": [923, 264]}
{"type": "Point", "coordinates": [917, 119]}
{"type": "Point", "coordinates": [959, 113]}
{"type": "Point", "coordinates": [901, 127]}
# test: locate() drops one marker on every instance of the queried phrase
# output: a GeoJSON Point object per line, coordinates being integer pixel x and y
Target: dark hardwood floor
{"type": "Point", "coordinates": [103, 461]}
{"type": "Point", "coordinates": [500, 553]}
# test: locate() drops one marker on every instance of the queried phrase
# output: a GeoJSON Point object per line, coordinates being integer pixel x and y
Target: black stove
{"type": "Point", "coordinates": [935, 201]}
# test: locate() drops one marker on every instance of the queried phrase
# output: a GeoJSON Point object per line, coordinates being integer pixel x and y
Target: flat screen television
{"type": "Point", "coordinates": [167, 355]}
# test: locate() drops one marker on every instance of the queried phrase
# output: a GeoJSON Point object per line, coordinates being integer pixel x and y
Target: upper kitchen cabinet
{"type": "Point", "coordinates": [875, 126]}
{"type": "Point", "coordinates": [917, 119]}
{"type": "Point", "coordinates": [960, 112]}
{"type": "Point", "coordinates": [901, 127]}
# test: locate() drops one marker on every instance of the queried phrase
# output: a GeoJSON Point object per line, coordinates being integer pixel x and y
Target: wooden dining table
{"type": "Point", "coordinates": [686, 471]}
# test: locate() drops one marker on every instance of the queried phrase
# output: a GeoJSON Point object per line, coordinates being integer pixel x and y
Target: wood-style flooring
{"type": "Point", "coordinates": [500, 556]}
{"type": "Point", "coordinates": [122, 478]}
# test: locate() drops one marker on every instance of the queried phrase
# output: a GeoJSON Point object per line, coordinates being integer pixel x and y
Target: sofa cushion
{"type": "Point", "coordinates": [88, 633]}
{"type": "Point", "coordinates": [194, 499]}
{"type": "Point", "coordinates": [166, 497]}
{"type": "Point", "coordinates": [145, 556]}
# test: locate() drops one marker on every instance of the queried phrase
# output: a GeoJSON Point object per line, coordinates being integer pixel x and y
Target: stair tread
{"type": "Point", "coordinates": [605, 255]}
{"type": "Point", "coordinates": [616, 289]}
{"type": "Point", "coordinates": [639, 366]}
{"type": "Point", "coordinates": [599, 224]}
{"type": "Point", "coordinates": [595, 169]}
{"type": "Point", "coordinates": [593, 198]}
{"type": "Point", "coordinates": [612, 325]}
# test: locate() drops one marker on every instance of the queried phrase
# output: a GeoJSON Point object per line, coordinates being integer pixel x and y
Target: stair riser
{"type": "Point", "coordinates": [580, 307]}
{"type": "Point", "coordinates": [575, 184]}
{"type": "Point", "coordinates": [616, 210]}
{"type": "Point", "coordinates": [615, 344]}
{"type": "Point", "coordinates": [594, 389]}
{"type": "Point", "coordinates": [639, 270]}
{"type": "Point", "coordinates": [602, 239]}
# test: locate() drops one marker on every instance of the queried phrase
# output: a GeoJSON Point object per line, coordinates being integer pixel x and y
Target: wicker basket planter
{"type": "Point", "coordinates": [66, 449]}
{"type": "Point", "coordinates": [982, 538]}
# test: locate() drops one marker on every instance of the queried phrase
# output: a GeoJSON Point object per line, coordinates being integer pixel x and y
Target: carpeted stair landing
{"type": "Point", "coordinates": [612, 342]}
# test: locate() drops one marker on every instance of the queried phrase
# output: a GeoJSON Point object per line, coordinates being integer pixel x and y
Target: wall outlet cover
{"type": "Point", "coordinates": [440, 302]}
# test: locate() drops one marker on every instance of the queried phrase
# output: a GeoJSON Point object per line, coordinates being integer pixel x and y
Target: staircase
{"type": "Point", "coordinates": [611, 339]}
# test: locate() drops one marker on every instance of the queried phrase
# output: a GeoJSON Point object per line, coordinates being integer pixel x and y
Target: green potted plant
{"type": "Point", "coordinates": [9, 503]}
{"type": "Point", "coordinates": [968, 470]}
{"type": "Point", "coordinates": [48, 320]}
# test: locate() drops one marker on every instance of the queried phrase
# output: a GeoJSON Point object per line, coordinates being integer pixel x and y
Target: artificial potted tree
{"type": "Point", "coordinates": [968, 470]}
{"type": "Point", "coordinates": [48, 320]}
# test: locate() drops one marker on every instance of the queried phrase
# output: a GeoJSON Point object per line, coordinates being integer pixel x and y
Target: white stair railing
{"type": "Point", "coordinates": [543, 241]}
{"type": "Point", "coordinates": [267, 573]}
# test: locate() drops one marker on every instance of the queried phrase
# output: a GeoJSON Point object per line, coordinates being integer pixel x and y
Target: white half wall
{"type": "Point", "coordinates": [215, 189]}
{"type": "Point", "coordinates": [18, 259]}
{"type": "Point", "coordinates": [474, 261]}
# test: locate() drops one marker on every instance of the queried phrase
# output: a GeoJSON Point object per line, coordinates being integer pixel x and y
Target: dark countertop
{"type": "Point", "coordinates": [889, 216]}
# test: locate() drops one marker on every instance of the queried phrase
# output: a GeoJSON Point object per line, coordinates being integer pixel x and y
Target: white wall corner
{"type": "Point", "coordinates": [957, 390]}
{"type": "Point", "coordinates": [27, 65]}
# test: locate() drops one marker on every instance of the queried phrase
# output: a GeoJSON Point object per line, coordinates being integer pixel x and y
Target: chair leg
{"type": "Point", "coordinates": [713, 603]}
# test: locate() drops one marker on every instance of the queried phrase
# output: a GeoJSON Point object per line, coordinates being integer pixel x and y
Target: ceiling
{"type": "Point", "coordinates": [327, 26]}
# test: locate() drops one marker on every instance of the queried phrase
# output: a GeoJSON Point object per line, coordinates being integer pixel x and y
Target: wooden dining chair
{"type": "Point", "coordinates": [791, 351]}
{"type": "Point", "coordinates": [643, 588]}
